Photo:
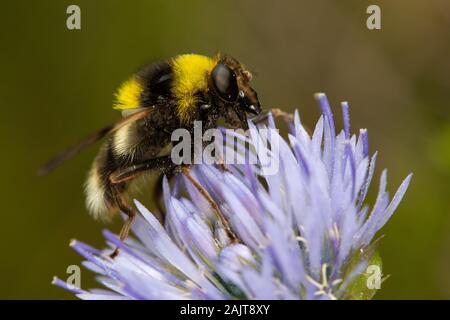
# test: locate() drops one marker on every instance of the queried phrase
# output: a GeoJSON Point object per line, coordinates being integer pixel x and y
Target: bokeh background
{"type": "Point", "coordinates": [56, 85]}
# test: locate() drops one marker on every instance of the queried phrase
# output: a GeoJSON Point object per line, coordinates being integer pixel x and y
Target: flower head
{"type": "Point", "coordinates": [240, 232]}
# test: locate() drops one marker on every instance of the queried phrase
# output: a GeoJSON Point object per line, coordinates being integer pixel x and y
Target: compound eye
{"type": "Point", "coordinates": [224, 82]}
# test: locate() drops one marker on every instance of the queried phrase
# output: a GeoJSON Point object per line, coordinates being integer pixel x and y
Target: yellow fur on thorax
{"type": "Point", "coordinates": [128, 95]}
{"type": "Point", "coordinates": [190, 76]}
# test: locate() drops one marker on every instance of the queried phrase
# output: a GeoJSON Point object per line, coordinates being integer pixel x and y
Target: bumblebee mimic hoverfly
{"type": "Point", "coordinates": [158, 99]}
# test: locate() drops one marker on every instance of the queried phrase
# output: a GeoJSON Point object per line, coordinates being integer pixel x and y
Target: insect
{"type": "Point", "coordinates": [158, 99]}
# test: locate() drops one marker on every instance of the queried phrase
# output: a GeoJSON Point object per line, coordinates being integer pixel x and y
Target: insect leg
{"type": "Point", "coordinates": [164, 164]}
{"type": "Point", "coordinates": [212, 203]}
{"type": "Point", "coordinates": [126, 209]}
{"type": "Point", "coordinates": [275, 112]}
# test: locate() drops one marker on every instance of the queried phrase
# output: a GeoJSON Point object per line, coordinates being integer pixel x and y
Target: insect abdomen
{"type": "Point", "coordinates": [99, 191]}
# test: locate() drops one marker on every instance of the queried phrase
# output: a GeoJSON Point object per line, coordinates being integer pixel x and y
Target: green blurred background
{"type": "Point", "coordinates": [56, 86]}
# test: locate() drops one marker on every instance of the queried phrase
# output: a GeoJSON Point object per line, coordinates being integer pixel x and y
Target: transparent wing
{"type": "Point", "coordinates": [92, 138]}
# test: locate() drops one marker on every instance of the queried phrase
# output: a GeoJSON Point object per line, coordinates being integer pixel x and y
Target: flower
{"type": "Point", "coordinates": [240, 233]}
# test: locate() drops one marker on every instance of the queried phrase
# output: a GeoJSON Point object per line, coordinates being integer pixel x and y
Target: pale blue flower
{"type": "Point", "coordinates": [303, 233]}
